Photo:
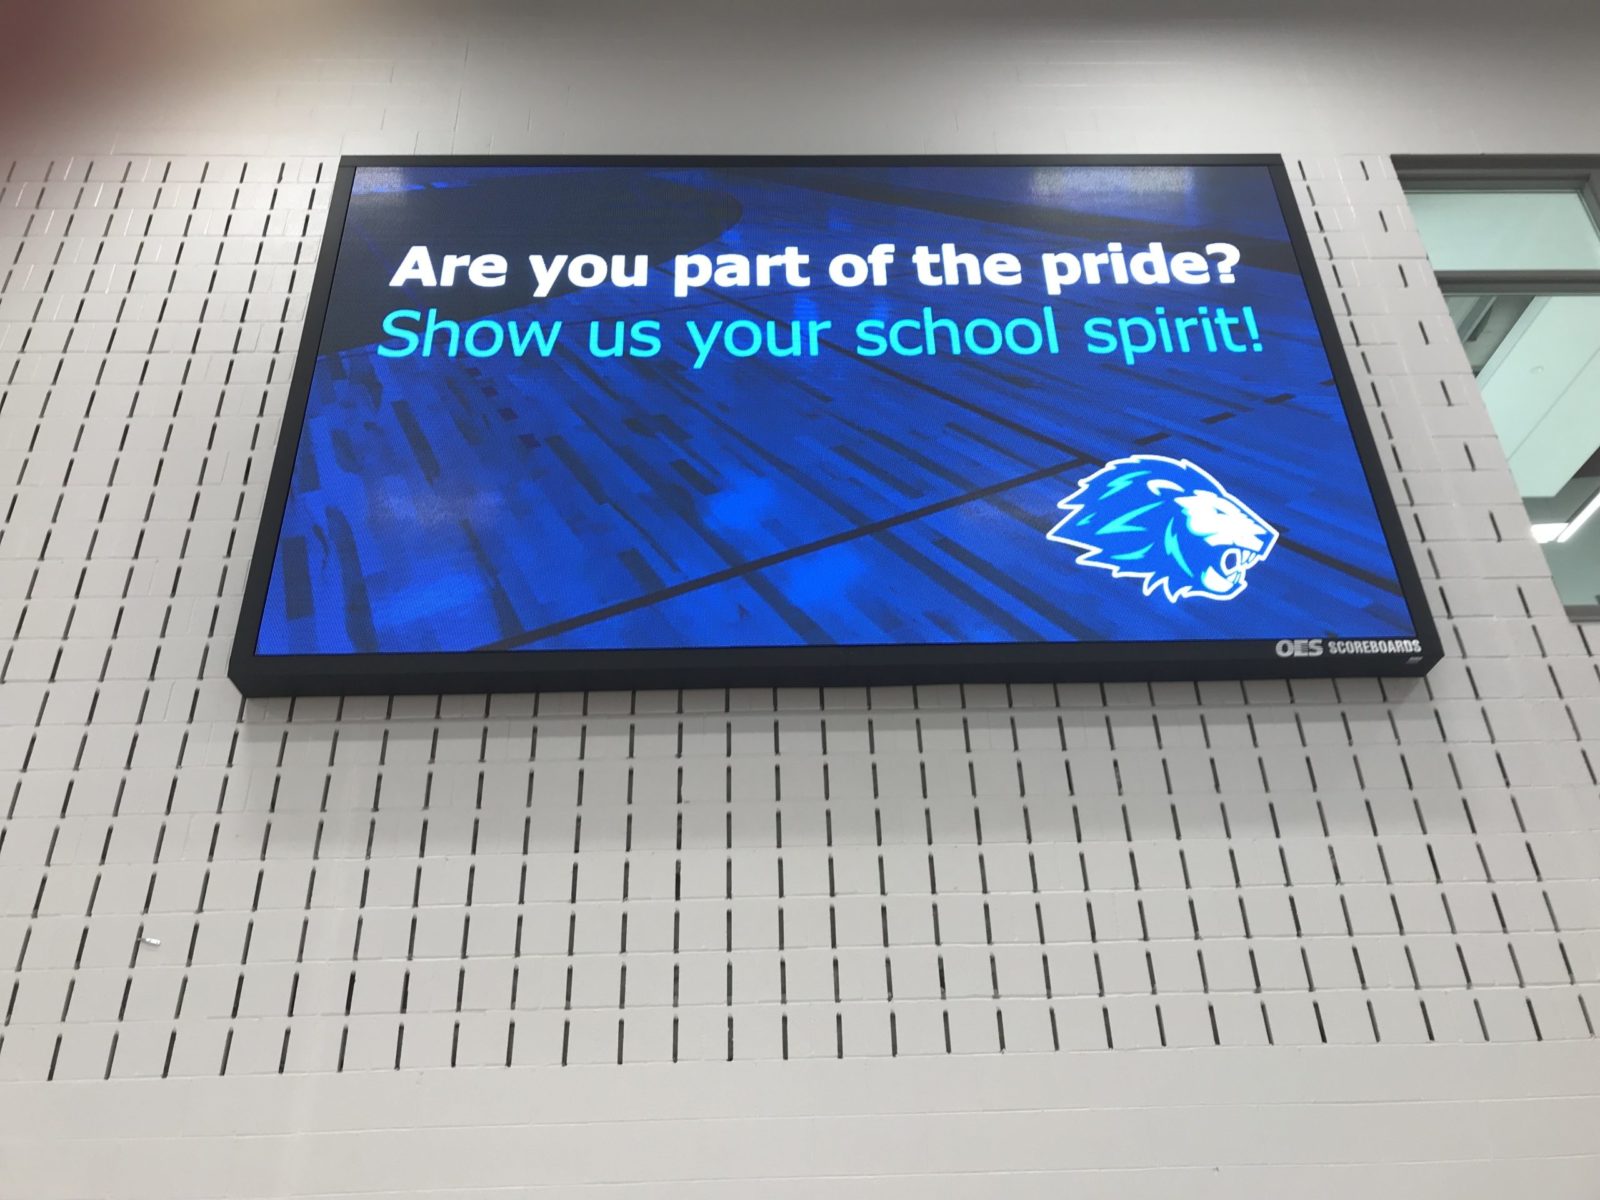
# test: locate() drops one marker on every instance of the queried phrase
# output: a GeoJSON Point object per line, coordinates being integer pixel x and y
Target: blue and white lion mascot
{"type": "Point", "coordinates": [1167, 522]}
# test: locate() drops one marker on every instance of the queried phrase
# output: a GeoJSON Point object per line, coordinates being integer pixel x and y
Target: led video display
{"type": "Point", "coordinates": [632, 423]}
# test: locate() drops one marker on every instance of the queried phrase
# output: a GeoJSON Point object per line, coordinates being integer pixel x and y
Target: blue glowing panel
{"type": "Point", "coordinates": [758, 404]}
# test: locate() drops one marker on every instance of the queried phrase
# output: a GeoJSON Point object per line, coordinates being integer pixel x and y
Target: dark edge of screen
{"type": "Point", "coordinates": [477, 672]}
{"type": "Point", "coordinates": [803, 666]}
{"type": "Point", "coordinates": [1400, 553]}
{"type": "Point", "coordinates": [243, 661]}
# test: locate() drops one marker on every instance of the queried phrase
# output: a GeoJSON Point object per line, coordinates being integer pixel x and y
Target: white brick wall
{"type": "Point", "coordinates": [1317, 940]}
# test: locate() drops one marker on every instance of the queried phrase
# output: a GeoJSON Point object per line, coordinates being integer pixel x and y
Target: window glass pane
{"type": "Point", "coordinates": [1484, 323]}
{"type": "Point", "coordinates": [1542, 385]}
{"type": "Point", "coordinates": [1538, 362]}
{"type": "Point", "coordinates": [1572, 544]}
{"type": "Point", "coordinates": [1501, 231]}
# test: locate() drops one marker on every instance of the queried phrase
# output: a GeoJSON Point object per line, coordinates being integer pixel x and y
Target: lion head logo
{"type": "Point", "coordinates": [1167, 522]}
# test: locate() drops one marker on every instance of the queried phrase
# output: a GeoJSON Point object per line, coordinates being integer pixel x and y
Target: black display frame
{"type": "Point", "coordinates": [474, 671]}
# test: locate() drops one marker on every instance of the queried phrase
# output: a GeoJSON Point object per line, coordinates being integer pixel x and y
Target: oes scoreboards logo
{"type": "Point", "coordinates": [1317, 647]}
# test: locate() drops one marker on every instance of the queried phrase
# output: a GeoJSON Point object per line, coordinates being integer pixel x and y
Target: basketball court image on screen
{"type": "Point", "coordinates": [916, 461]}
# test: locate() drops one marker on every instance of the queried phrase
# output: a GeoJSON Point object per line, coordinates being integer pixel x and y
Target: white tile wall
{"type": "Point", "coordinates": [1319, 940]}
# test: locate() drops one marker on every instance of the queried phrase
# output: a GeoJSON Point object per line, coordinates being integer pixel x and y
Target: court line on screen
{"type": "Point", "coordinates": [1355, 572]}
{"type": "Point", "coordinates": [1192, 436]}
{"type": "Point", "coordinates": [777, 461]}
{"type": "Point", "coordinates": [1318, 556]}
{"type": "Point", "coordinates": [1254, 405]}
{"type": "Point", "coordinates": [786, 610]}
{"type": "Point", "coordinates": [1080, 457]}
{"type": "Point", "coordinates": [780, 556]}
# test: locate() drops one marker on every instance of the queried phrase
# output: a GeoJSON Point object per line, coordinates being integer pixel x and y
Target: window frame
{"type": "Point", "coordinates": [1511, 173]}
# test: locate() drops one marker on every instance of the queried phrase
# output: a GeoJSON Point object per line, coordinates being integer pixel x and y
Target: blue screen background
{"type": "Point", "coordinates": [459, 504]}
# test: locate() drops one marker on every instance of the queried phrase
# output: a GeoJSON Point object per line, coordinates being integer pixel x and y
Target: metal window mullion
{"type": "Point", "coordinates": [1519, 283]}
{"type": "Point", "coordinates": [1589, 192]}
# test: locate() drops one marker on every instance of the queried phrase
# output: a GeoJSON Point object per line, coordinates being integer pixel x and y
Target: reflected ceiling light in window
{"type": "Point", "coordinates": [1577, 522]}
